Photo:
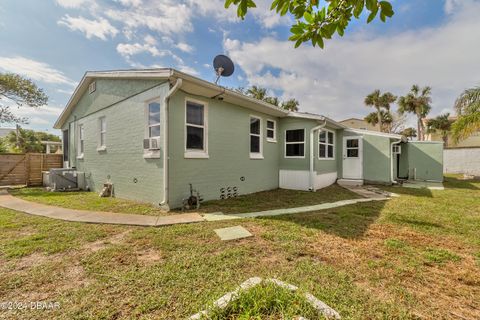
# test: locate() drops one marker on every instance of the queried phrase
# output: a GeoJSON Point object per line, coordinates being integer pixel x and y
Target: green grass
{"type": "Point", "coordinates": [278, 199]}
{"type": "Point", "coordinates": [85, 201]}
{"type": "Point", "coordinates": [416, 256]}
{"type": "Point", "coordinates": [266, 301]}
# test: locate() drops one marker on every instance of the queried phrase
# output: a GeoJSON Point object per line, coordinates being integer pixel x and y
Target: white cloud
{"type": "Point", "coordinates": [130, 49]}
{"type": "Point", "coordinates": [35, 70]}
{"type": "Point", "coordinates": [163, 16]}
{"type": "Point", "coordinates": [100, 28]}
{"type": "Point", "coordinates": [131, 3]}
{"type": "Point", "coordinates": [335, 81]}
{"type": "Point", "coordinates": [188, 70]}
{"type": "Point", "coordinates": [72, 3]}
{"type": "Point", "coordinates": [185, 47]}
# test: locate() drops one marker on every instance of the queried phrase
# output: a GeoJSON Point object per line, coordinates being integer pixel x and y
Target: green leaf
{"type": "Point", "coordinates": [372, 15]}
{"type": "Point", "coordinates": [298, 43]}
{"type": "Point", "coordinates": [386, 8]}
{"type": "Point", "coordinates": [228, 3]}
{"type": "Point", "coordinates": [308, 17]}
{"type": "Point", "coordinates": [358, 9]}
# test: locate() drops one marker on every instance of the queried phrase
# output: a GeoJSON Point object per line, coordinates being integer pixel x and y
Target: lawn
{"type": "Point", "coordinates": [85, 201]}
{"type": "Point", "coordinates": [412, 257]}
{"type": "Point", "coordinates": [265, 200]}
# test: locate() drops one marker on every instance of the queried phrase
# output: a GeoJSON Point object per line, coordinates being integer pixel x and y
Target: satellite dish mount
{"type": "Point", "coordinates": [223, 66]}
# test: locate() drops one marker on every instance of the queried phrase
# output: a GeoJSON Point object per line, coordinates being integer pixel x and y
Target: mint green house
{"type": "Point", "coordinates": [151, 133]}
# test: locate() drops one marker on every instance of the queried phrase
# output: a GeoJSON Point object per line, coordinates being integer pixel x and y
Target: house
{"type": "Point", "coordinates": [151, 133]}
{"type": "Point", "coordinates": [471, 142]}
{"type": "Point", "coordinates": [357, 123]}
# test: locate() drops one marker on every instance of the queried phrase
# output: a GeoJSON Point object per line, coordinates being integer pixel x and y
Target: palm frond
{"type": "Point", "coordinates": [465, 126]}
{"type": "Point", "coordinates": [467, 98]}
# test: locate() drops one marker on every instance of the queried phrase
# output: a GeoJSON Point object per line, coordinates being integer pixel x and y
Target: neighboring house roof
{"type": "Point", "coordinates": [375, 133]}
{"type": "Point", "coordinates": [5, 131]}
{"type": "Point", "coordinates": [191, 84]}
{"type": "Point", "coordinates": [350, 119]}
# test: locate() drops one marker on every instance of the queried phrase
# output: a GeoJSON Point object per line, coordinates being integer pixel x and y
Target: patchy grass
{"type": "Point", "coordinates": [278, 199]}
{"type": "Point", "coordinates": [86, 201]}
{"type": "Point", "coordinates": [368, 261]}
{"type": "Point", "coordinates": [266, 301]}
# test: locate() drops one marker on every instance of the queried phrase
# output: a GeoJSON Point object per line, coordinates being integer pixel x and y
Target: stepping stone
{"type": "Point", "coordinates": [233, 233]}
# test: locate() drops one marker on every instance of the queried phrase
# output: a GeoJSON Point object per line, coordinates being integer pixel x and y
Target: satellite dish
{"type": "Point", "coordinates": [223, 66]}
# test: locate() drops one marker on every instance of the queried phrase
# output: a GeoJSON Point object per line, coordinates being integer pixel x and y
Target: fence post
{"type": "Point", "coordinates": [27, 169]}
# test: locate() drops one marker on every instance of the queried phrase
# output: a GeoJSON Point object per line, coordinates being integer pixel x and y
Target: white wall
{"type": "Point", "coordinates": [462, 160]}
{"type": "Point", "coordinates": [299, 179]}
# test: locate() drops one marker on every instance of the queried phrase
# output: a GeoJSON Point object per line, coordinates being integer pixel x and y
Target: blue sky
{"type": "Point", "coordinates": [429, 42]}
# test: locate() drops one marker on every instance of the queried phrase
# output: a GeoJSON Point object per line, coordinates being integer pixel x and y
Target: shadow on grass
{"type": "Point", "coordinates": [454, 182]}
{"type": "Point", "coordinates": [415, 192]}
{"type": "Point", "coordinates": [349, 222]}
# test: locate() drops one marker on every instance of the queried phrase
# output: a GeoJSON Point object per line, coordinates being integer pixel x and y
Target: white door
{"type": "Point", "coordinates": [352, 158]}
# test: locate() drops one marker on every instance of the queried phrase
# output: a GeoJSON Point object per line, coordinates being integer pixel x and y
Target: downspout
{"type": "Point", "coordinates": [312, 155]}
{"type": "Point", "coordinates": [174, 89]}
{"type": "Point", "coordinates": [391, 161]}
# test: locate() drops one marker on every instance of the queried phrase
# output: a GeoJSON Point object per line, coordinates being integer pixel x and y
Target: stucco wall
{"type": "Point", "coordinates": [125, 120]}
{"type": "Point", "coordinates": [462, 160]}
{"type": "Point", "coordinates": [425, 160]}
{"type": "Point", "coordinates": [321, 166]}
{"type": "Point", "coordinates": [376, 159]}
{"type": "Point", "coordinates": [228, 150]}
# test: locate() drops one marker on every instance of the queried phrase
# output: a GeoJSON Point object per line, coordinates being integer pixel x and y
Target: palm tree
{"type": "Point", "coordinates": [417, 101]}
{"type": "Point", "coordinates": [386, 119]}
{"type": "Point", "coordinates": [468, 111]}
{"type": "Point", "coordinates": [257, 92]}
{"type": "Point", "coordinates": [409, 133]}
{"type": "Point", "coordinates": [290, 105]}
{"type": "Point", "coordinates": [441, 123]}
{"type": "Point", "coordinates": [380, 101]}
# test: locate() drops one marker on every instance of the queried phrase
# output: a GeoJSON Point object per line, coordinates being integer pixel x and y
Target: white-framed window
{"type": "Point", "coordinates": [295, 143]}
{"type": "Point", "coordinates": [326, 144]}
{"type": "Point", "coordinates": [271, 130]}
{"type": "Point", "coordinates": [92, 87]}
{"type": "Point", "coordinates": [396, 149]}
{"type": "Point", "coordinates": [256, 138]}
{"type": "Point", "coordinates": [196, 143]}
{"type": "Point", "coordinates": [153, 113]}
{"type": "Point", "coordinates": [353, 148]}
{"type": "Point", "coordinates": [81, 141]}
{"type": "Point", "coordinates": [102, 133]}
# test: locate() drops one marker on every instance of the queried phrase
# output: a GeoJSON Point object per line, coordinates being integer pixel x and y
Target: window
{"type": "Point", "coordinates": [81, 141]}
{"type": "Point", "coordinates": [255, 137]}
{"type": "Point", "coordinates": [396, 149]}
{"type": "Point", "coordinates": [102, 126]}
{"type": "Point", "coordinates": [92, 87]}
{"type": "Point", "coordinates": [295, 143]}
{"type": "Point", "coordinates": [326, 144]}
{"type": "Point", "coordinates": [271, 131]}
{"type": "Point", "coordinates": [195, 126]}
{"type": "Point", "coordinates": [153, 119]}
{"type": "Point", "coordinates": [352, 148]}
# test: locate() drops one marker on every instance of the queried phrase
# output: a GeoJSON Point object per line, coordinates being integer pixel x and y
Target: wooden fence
{"type": "Point", "coordinates": [26, 169]}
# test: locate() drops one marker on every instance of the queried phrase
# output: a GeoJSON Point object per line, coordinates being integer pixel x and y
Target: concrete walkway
{"type": "Point", "coordinates": [10, 202]}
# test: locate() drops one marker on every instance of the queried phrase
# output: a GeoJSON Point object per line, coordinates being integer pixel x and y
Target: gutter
{"type": "Point", "coordinates": [172, 91]}
{"type": "Point", "coordinates": [391, 160]}
{"type": "Point", "coordinates": [312, 155]}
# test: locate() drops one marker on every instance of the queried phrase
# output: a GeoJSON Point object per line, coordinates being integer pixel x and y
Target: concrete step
{"type": "Point", "coordinates": [350, 182]}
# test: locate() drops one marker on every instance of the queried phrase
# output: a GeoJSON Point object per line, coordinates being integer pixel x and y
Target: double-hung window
{"type": "Point", "coordinates": [153, 120]}
{"type": "Point", "coordinates": [271, 131]}
{"type": "Point", "coordinates": [295, 143]}
{"type": "Point", "coordinates": [195, 129]}
{"type": "Point", "coordinates": [326, 144]}
{"type": "Point", "coordinates": [81, 141]}
{"type": "Point", "coordinates": [102, 127]}
{"type": "Point", "coordinates": [255, 137]}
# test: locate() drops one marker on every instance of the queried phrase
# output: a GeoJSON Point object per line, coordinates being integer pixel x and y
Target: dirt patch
{"type": "Point", "coordinates": [149, 256]}
{"type": "Point", "coordinates": [103, 243]}
{"type": "Point", "coordinates": [402, 273]}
